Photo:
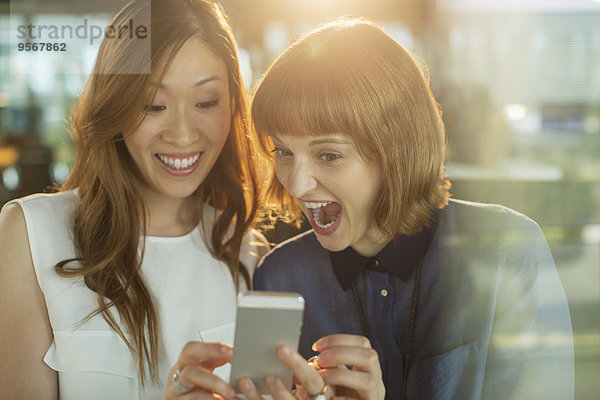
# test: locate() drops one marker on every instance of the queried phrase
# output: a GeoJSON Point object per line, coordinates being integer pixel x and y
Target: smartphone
{"type": "Point", "coordinates": [265, 321]}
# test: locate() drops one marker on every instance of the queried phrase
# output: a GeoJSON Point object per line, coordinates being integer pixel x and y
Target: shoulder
{"type": "Point", "coordinates": [500, 241]}
{"type": "Point", "coordinates": [490, 238]}
{"type": "Point", "coordinates": [294, 251]}
{"type": "Point", "coordinates": [68, 196]}
{"type": "Point", "coordinates": [12, 223]}
{"type": "Point", "coordinates": [293, 265]}
{"type": "Point", "coordinates": [49, 213]}
{"type": "Point", "coordinates": [467, 216]}
{"type": "Point", "coordinates": [17, 212]}
{"type": "Point", "coordinates": [48, 203]}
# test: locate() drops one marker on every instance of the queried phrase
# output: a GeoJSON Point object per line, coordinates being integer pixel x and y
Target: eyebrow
{"type": "Point", "coordinates": [328, 140]}
{"type": "Point", "coordinates": [325, 140]}
{"type": "Point", "coordinates": [199, 83]}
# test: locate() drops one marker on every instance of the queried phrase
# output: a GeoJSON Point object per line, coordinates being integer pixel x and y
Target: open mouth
{"type": "Point", "coordinates": [324, 214]}
{"type": "Point", "coordinates": [178, 163]}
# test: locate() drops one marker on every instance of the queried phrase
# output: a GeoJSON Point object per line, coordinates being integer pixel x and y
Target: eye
{"type": "Point", "coordinates": [208, 104]}
{"type": "Point", "coordinates": [155, 108]}
{"type": "Point", "coordinates": [281, 152]}
{"type": "Point", "coordinates": [330, 157]}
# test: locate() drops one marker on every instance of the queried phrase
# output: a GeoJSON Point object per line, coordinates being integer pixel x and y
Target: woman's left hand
{"type": "Point", "coordinates": [364, 381]}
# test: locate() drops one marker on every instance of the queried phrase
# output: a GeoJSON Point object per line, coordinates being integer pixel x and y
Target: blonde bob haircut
{"type": "Point", "coordinates": [349, 77]}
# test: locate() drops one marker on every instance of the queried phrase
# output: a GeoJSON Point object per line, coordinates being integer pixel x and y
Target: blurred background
{"type": "Point", "coordinates": [518, 82]}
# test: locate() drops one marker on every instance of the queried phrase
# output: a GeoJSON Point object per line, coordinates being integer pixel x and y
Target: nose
{"type": "Point", "coordinates": [298, 178]}
{"type": "Point", "coordinates": [180, 130]}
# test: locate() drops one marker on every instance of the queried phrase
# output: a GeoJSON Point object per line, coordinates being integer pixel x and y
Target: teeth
{"type": "Point", "coordinates": [316, 219]}
{"type": "Point", "coordinates": [316, 206]}
{"type": "Point", "coordinates": [179, 163]}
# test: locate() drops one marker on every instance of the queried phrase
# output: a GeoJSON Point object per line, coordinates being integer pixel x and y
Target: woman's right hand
{"type": "Point", "coordinates": [196, 380]}
{"type": "Point", "coordinates": [364, 381]}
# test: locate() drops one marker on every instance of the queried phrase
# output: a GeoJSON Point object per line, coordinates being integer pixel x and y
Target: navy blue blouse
{"type": "Point", "coordinates": [492, 320]}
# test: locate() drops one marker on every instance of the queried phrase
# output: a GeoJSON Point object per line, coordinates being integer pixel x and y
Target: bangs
{"type": "Point", "coordinates": [297, 100]}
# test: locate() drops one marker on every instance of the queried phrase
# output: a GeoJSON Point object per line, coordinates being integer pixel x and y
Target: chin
{"type": "Point", "coordinates": [331, 245]}
{"type": "Point", "coordinates": [183, 193]}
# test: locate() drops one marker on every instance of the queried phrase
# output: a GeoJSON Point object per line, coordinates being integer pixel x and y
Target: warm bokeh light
{"type": "Point", "coordinates": [8, 156]}
{"type": "Point", "coordinates": [515, 112]}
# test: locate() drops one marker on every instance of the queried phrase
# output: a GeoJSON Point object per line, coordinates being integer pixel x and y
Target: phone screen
{"type": "Point", "coordinates": [265, 321]}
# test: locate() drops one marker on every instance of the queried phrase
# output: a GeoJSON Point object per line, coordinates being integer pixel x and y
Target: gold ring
{"type": "Point", "coordinates": [313, 363]}
{"type": "Point", "coordinates": [321, 394]}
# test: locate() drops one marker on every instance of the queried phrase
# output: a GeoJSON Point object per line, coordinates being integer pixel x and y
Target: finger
{"type": "Point", "coordinates": [197, 378]}
{"type": "Point", "coordinates": [277, 389]}
{"type": "Point", "coordinates": [344, 393]}
{"type": "Point", "coordinates": [198, 395]}
{"type": "Point", "coordinates": [362, 382]}
{"type": "Point", "coordinates": [209, 355]}
{"type": "Point", "coordinates": [341, 340]}
{"type": "Point", "coordinates": [304, 374]}
{"type": "Point", "coordinates": [363, 359]}
{"type": "Point", "coordinates": [249, 390]}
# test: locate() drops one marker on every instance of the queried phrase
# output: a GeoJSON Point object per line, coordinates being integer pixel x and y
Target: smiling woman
{"type": "Point", "coordinates": [111, 286]}
{"type": "Point", "coordinates": [181, 136]}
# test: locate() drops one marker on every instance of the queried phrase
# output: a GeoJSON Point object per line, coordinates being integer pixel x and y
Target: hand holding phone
{"type": "Point", "coordinates": [265, 321]}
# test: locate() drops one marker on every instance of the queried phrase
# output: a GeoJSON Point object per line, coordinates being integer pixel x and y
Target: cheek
{"type": "Point", "coordinates": [138, 140]}
{"type": "Point", "coordinates": [221, 127]}
{"type": "Point", "coordinates": [364, 200]}
{"type": "Point", "coordinates": [372, 194]}
{"type": "Point", "coordinates": [134, 142]}
{"type": "Point", "coordinates": [280, 173]}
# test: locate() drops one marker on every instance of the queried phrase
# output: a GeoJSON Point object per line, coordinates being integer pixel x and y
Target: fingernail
{"type": "Point", "coordinates": [270, 380]}
{"type": "Point", "coordinates": [285, 351]}
{"type": "Point", "coordinates": [225, 349]}
{"type": "Point", "coordinates": [319, 344]}
{"type": "Point", "coordinates": [245, 385]}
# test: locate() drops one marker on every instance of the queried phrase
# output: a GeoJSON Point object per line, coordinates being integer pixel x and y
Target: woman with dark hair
{"type": "Point", "coordinates": [456, 300]}
{"type": "Point", "coordinates": [117, 286]}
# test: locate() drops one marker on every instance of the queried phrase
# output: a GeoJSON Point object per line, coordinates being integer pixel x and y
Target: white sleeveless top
{"type": "Point", "coordinates": [194, 294]}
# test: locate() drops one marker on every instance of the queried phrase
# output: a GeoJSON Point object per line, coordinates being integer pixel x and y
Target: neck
{"type": "Point", "coordinates": [372, 244]}
{"type": "Point", "coordinates": [171, 217]}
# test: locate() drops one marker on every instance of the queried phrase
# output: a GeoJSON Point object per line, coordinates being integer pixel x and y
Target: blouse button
{"type": "Point", "coordinates": [384, 292]}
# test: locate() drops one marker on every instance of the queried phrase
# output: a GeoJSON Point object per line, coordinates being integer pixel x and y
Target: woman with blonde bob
{"type": "Point", "coordinates": [423, 296]}
{"type": "Point", "coordinates": [121, 285]}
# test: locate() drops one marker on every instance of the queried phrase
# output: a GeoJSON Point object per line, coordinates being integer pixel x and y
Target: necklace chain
{"type": "Point", "coordinates": [411, 329]}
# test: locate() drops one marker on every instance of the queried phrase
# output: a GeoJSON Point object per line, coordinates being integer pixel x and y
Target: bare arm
{"type": "Point", "coordinates": [26, 333]}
